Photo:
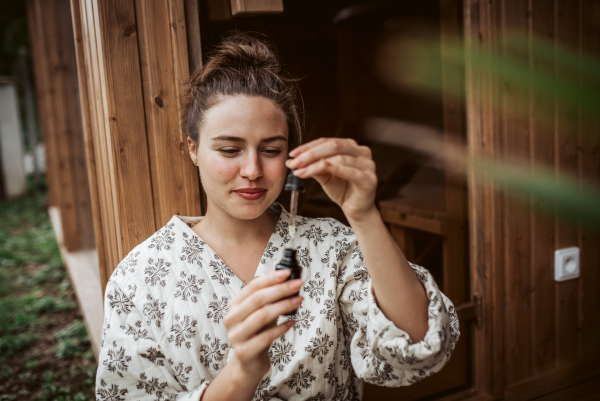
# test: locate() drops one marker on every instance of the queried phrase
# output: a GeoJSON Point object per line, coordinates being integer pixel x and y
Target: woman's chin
{"type": "Point", "coordinates": [250, 210]}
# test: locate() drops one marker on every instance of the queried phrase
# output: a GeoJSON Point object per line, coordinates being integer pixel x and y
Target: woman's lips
{"type": "Point", "coordinates": [251, 193]}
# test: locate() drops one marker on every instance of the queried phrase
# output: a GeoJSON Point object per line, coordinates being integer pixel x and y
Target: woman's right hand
{"type": "Point", "coordinates": [251, 321]}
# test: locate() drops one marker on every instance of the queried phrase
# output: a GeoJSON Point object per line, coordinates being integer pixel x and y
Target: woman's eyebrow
{"type": "Point", "coordinates": [274, 138]}
{"type": "Point", "coordinates": [239, 139]}
{"type": "Point", "coordinates": [228, 138]}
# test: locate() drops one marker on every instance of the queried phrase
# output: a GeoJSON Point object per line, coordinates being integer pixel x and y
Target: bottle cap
{"type": "Point", "coordinates": [289, 256]}
{"type": "Point", "coordinates": [293, 183]}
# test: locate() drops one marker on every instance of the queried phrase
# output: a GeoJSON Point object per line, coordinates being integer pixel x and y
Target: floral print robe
{"type": "Point", "coordinates": [163, 336]}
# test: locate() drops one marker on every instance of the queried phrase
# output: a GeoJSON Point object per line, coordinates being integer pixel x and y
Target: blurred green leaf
{"type": "Point", "coordinates": [549, 193]}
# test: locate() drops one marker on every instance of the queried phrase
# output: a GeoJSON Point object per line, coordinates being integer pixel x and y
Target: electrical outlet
{"type": "Point", "coordinates": [566, 263]}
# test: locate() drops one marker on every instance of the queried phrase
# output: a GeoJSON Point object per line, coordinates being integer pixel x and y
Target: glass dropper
{"type": "Point", "coordinates": [295, 185]}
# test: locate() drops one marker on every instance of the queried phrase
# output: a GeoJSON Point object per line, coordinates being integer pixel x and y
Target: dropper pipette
{"type": "Point", "coordinates": [293, 212]}
{"type": "Point", "coordinates": [295, 185]}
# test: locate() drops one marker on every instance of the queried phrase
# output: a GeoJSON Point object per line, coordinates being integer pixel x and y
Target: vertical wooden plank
{"type": "Point", "coordinates": [74, 130]}
{"type": "Point", "coordinates": [126, 122]}
{"type": "Point", "coordinates": [94, 62]}
{"type": "Point", "coordinates": [589, 172]}
{"type": "Point", "coordinates": [164, 66]}
{"type": "Point", "coordinates": [158, 86]}
{"type": "Point", "coordinates": [192, 23]}
{"type": "Point", "coordinates": [541, 14]}
{"type": "Point", "coordinates": [483, 349]}
{"type": "Point", "coordinates": [90, 154]}
{"type": "Point", "coordinates": [179, 41]}
{"type": "Point", "coordinates": [484, 203]}
{"type": "Point", "coordinates": [63, 135]}
{"type": "Point", "coordinates": [492, 146]}
{"type": "Point", "coordinates": [566, 141]}
{"type": "Point", "coordinates": [517, 241]}
{"type": "Point", "coordinates": [40, 71]}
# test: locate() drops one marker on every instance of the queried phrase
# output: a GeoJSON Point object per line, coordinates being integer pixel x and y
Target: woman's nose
{"type": "Point", "coordinates": [252, 168]}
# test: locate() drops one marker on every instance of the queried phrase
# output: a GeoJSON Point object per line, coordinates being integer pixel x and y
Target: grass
{"type": "Point", "coordinates": [45, 353]}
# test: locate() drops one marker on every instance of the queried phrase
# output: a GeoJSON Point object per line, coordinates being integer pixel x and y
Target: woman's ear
{"type": "Point", "coordinates": [193, 149]}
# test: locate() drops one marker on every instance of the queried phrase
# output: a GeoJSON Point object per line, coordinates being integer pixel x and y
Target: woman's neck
{"type": "Point", "coordinates": [223, 227]}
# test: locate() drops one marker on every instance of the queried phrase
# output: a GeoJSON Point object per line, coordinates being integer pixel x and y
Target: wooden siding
{"type": "Point", "coordinates": [60, 118]}
{"type": "Point", "coordinates": [135, 59]}
{"type": "Point", "coordinates": [538, 334]}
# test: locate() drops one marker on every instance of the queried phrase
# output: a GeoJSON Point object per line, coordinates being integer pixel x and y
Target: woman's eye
{"type": "Point", "coordinates": [229, 152]}
{"type": "Point", "coordinates": [272, 152]}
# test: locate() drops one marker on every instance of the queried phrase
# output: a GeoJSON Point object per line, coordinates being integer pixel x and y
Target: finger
{"type": "Point", "coordinates": [251, 348]}
{"type": "Point", "coordinates": [306, 146]}
{"type": "Point", "coordinates": [260, 298]}
{"type": "Point", "coordinates": [261, 318]}
{"type": "Point", "coordinates": [261, 282]}
{"type": "Point", "coordinates": [362, 178]}
{"type": "Point", "coordinates": [328, 149]}
{"type": "Point", "coordinates": [359, 163]}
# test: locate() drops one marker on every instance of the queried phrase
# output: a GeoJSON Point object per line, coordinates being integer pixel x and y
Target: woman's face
{"type": "Point", "coordinates": [241, 155]}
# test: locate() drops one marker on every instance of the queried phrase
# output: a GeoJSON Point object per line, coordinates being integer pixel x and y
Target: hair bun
{"type": "Point", "coordinates": [245, 51]}
{"type": "Point", "coordinates": [242, 64]}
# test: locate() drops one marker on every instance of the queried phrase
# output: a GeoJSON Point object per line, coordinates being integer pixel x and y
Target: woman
{"type": "Point", "coordinates": [189, 316]}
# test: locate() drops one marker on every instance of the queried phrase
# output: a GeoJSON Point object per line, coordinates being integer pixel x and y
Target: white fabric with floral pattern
{"type": "Point", "coordinates": [163, 335]}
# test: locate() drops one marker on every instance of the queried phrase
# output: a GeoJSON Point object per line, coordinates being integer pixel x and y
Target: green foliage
{"type": "Point", "coordinates": [35, 297]}
{"type": "Point", "coordinates": [566, 76]}
{"type": "Point", "coordinates": [568, 79]}
{"type": "Point", "coordinates": [12, 345]}
{"type": "Point", "coordinates": [26, 234]}
{"type": "Point", "coordinates": [72, 341]}
{"type": "Point", "coordinates": [20, 317]}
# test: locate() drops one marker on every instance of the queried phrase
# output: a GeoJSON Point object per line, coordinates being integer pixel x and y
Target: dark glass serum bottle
{"type": "Point", "coordinates": [289, 260]}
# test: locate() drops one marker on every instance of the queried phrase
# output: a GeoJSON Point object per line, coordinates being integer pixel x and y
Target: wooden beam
{"type": "Point", "coordinates": [245, 8]}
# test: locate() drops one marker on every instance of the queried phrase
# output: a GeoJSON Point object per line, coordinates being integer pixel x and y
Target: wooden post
{"type": "Point", "coordinates": [60, 118]}
{"type": "Point", "coordinates": [135, 61]}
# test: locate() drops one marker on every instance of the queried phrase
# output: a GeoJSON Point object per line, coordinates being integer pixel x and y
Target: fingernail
{"type": "Point", "coordinates": [290, 323]}
{"type": "Point", "coordinates": [297, 300]}
{"type": "Point", "coordinates": [300, 172]}
{"type": "Point", "coordinates": [296, 284]}
{"type": "Point", "coordinates": [283, 273]}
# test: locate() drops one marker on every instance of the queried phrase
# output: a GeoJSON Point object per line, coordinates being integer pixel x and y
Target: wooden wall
{"type": "Point", "coordinates": [133, 60]}
{"type": "Point", "coordinates": [59, 113]}
{"type": "Point", "coordinates": [538, 334]}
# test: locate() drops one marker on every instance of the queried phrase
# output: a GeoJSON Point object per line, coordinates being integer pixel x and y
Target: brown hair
{"type": "Point", "coordinates": [243, 64]}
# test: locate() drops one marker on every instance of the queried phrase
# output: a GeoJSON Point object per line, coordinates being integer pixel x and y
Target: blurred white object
{"type": "Point", "coordinates": [40, 154]}
{"type": "Point", "coordinates": [13, 180]}
{"type": "Point", "coordinates": [566, 263]}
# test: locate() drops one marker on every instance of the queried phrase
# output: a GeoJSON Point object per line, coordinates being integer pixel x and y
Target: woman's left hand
{"type": "Point", "coordinates": [345, 170]}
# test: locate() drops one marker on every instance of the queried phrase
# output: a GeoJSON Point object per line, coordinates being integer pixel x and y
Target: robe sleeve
{"type": "Point", "coordinates": [380, 352]}
{"type": "Point", "coordinates": [132, 365]}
